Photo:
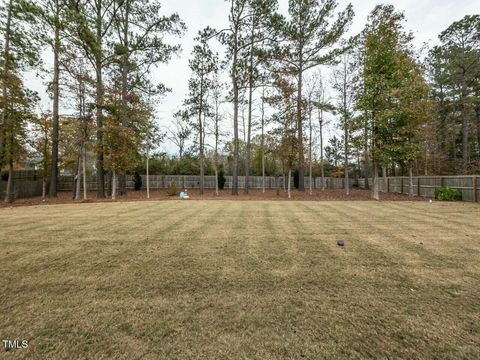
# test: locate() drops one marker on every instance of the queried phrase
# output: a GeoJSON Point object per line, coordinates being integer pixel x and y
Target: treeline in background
{"type": "Point", "coordinates": [262, 94]}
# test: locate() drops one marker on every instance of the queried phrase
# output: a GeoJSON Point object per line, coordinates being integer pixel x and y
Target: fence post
{"type": "Point", "coordinates": [401, 185]}
{"type": "Point", "coordinates": [474, 188]}
{"type": "Point", "coordinates": [388, 184]}
{"type": "Point", "coordinates": [418, 186]}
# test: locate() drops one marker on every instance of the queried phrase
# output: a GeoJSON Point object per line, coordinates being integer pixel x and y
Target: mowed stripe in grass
{"type": "Point", "coordinates": [226, 279]}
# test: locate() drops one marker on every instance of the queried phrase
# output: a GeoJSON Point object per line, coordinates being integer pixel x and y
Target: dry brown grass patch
{"type": "Point", "coordinates": [229, 279]}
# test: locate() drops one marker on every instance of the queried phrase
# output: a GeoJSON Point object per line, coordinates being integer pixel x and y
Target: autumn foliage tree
{"type": "Point", "coordinates": [123, 141]}
{"type": "Point", "coordinates": [392, 92]}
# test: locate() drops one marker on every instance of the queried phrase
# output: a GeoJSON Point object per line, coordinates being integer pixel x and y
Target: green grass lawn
{"type": "Point", "coordinates": [256, 280]}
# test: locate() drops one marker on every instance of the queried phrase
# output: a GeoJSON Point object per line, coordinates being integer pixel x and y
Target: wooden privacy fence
{"type": "Point", "coordinates": [422, 185]}
{"type": "Point", "coordinates": [426, 185]}
{"type": "Point", "coordinates": [26, 184]}
{"type": "Point", "coordinates": [193, 182]}
{"type": "Point", "coordinates": [22, 188]}
{"type": "Point", "coordinates": [181, 181]}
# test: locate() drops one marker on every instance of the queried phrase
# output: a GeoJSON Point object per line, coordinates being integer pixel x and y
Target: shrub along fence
{"type": "Point", "coordinates": [422, 185]}
{"type": "Point", "coordinates": [468, 185]}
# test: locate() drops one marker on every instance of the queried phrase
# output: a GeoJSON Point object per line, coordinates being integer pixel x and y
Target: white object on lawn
{"type": "Point", "coordinates": [184, 195]}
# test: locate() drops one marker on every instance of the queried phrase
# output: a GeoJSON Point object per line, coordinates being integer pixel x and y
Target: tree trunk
{"type": "Point", "coordinates": [347, 180]}
{"type": "Point", "coordinates": [235, 111]}
{"type": "Point", "coordinates": [84, 138]}
{"type": "Point", "coordinates": [244, 128]}
{"type": "Point", "coordinates": [202, 138]}
{"type": "Point", "coordinates": [235, 141]}
{"type": "Point", "coordinates": [375, 193]}
{"type": "Point", "coordinates": [122, 176]}
{"type": "Point", "coordinates": [263, 142]}
{"type": "Point", "coordinates": [44, 188]}
{"type": "Point", "coordinates": [410, 180]}
{"type": "Point", "coordinates": [426, 162]}
{"type": "Point", "coordinates": [465, 147]}
{"type": "Point", "coordinates": [109, 183]}
{"type": "Point", "coordinates": [477, 115]}
{"type": "Point", "coordinates": [365, 155]}
{"type": "Point", "coordinates": [148, 173]}
{"type": "Point", "coordinates": [289, 182]}
{"type": "Point", "coordinates": [322, 165]}
{"type": "Point", "coordinates": [346, 116]}
{"type": "Point", "coordinates": [99, 160]}
{"type": "Point", "coordinates": [76, 179]}
{"type": "Point", "coordinates": [248, 147]}
{"type": "Point", "coordinates": [2, 137]}
{"type": "Point", "coordinates": [216, 157]}
{"type": "Point", "coordinates": [250, 104]}
{"type": "Point", "coordinates": [114, 184]}
{"type": "Point", "coordinates": [385, 179]}
{"type": "Point", "coordinates": [217, 134]}
{"type": "Point", "coordinates": [310, 148]}
{"type": "Point", "coordinates": [454, 144]}
{"type": "Point", "coordinates": [442, 139]}
{"type": "Point", "coordinates": [6, 57]}
{"type": "Point", "coordinates": [99, 105]}
{"type": "Point", "coordinates": [301, 160]}
{"type": "Point", "coordinates": [56, 97]}
{"type": "Point", "coordinates": [84, 170]}
{"type": "Point", "coordinates": [79, 175]}
{"type": "Point", "coordinates": [9, 196]}
{"type": "Point", "coordinates": [202, 172]}
{"type": "Point", "coordinates": [357, 169]}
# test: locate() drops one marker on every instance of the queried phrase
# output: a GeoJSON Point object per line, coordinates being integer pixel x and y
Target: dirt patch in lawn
{"type": "Point", "coordinates": [65, 197]}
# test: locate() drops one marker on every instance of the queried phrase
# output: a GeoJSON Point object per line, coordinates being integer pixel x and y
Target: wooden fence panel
{"type": "Point", "coordinates": [23, 188]}
{"type": "Point", "coordinates": [464, 184]}
{"type": "Point", "coordinates": [426, 185]}
{"type": "Point", "coordinates": [422, 185]}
